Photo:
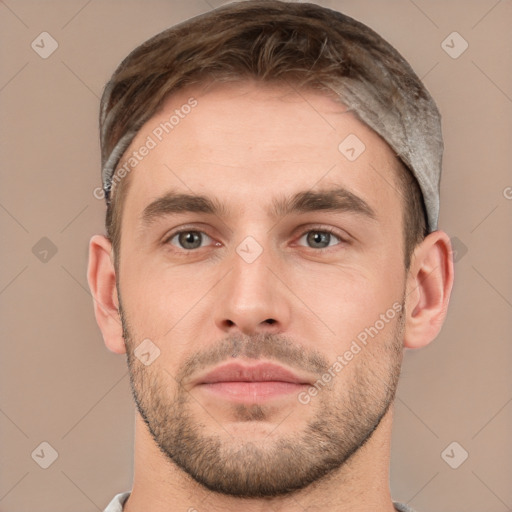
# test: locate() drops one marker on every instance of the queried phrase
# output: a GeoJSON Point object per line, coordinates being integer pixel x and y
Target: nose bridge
{"type": "Point", "coordinates": [251, 260]}
{"type": "Point", "coordinates": [251, 296]}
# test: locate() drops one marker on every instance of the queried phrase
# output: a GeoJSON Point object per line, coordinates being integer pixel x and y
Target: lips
{"type": "Point", "coordinates": [263, 372]}
{"type": "Point", "coordinates": [243, 383]}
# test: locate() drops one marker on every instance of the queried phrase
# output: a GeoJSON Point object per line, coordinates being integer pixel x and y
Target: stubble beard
{"type": "Point", "coordinates": [347, 414]}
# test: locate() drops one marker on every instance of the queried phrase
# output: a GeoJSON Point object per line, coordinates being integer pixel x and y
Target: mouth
{"type": "Point", "coordinates": [256, 383]}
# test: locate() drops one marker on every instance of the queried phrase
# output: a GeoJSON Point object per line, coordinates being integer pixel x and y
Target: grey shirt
{"type": "Point", "coordinates": [116, 505]}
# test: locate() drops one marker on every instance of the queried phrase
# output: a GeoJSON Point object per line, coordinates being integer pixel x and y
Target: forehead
{"type": "Point", "coordinates": [248, 143]}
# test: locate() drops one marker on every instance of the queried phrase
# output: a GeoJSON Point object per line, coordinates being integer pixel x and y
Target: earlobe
{"type": "Point", "coordinates": [102, 282]}
{"type": "Point", "coordinates": [429, 285]}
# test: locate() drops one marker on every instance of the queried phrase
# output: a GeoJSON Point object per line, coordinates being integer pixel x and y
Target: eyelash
{"type": "Point", "coordinates": [309, 230]}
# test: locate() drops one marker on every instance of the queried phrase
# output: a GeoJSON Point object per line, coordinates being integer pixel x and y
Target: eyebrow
{"type": "Point", "coordinates": [336, 200]}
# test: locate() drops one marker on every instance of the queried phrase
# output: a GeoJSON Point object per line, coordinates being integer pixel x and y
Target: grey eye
{"type": "Point", "coordinates": [318, 239]}
{"type": "Point", "coordinates": [189, 239]}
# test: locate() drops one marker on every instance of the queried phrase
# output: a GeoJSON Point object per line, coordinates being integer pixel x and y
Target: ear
{"type": "Point", "coordinates": [429, 284]}
{"type": "Point", "coordinates": [102, 282]}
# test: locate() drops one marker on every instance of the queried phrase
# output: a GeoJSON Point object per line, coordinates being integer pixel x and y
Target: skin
{"type": "Point", "coordinates": [247, 144]}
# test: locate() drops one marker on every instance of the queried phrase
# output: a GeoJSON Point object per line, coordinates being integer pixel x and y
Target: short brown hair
{"type": "Point", "coordinates": [302, 44]}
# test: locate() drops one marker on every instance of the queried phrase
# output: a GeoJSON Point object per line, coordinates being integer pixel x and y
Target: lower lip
{"type": "Point", "coordinates": [252, 391]}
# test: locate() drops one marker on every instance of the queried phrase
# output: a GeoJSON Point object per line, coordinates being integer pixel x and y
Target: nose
{"type": "Point", "coordinates": [252, 297]}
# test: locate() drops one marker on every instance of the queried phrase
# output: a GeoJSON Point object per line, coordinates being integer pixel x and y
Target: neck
{"type": "Point", "coordinates": [360, 485]}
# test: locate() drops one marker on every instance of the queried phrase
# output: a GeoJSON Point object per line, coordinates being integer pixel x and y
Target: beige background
{"type": "Point", "coordinates": [60, 385]}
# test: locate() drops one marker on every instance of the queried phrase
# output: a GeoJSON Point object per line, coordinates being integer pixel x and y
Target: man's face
{"type": "Point", "coordinates": [252, 286]}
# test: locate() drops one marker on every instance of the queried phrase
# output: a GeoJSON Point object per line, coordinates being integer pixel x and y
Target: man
{"type": "Point", "coordinates": [271, 171]}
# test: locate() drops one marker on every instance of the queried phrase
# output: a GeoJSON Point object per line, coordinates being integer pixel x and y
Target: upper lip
{"type": "Point", "coordinates": [262, 372]}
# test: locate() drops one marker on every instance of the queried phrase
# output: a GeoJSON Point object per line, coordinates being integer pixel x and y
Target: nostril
{"type": "Point", "coordinates": [270, 321]}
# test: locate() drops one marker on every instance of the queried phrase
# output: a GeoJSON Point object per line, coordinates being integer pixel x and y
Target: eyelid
{"type": "Point", "coordinates": [343, 238]}
{"type": "Point", "coordinates": [303, 230]}
{"type": "Point", "coordinates": [184, 229]}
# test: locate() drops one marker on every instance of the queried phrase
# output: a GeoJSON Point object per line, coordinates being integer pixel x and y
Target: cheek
{"type": "Point", "coordinates": [349, 301]}
{"type": "Point", "coordinates": [162, 303]}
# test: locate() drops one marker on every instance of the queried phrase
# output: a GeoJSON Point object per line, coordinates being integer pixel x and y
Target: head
{"type": "Point", "coordinates": [234, 123]}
